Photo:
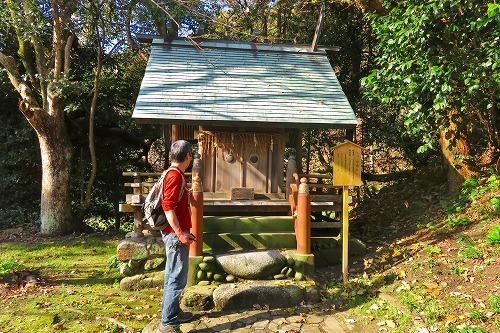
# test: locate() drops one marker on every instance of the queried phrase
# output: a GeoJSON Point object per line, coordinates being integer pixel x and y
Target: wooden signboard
{"type": "Point", "coordinates": [347, 164]}
{"type": "Point", "coordinates": [346, 172]}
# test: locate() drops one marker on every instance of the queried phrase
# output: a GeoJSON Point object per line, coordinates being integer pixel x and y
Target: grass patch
{"type": "Point", "coordinates": [427, 306]}
{"type": "Point", "coordinates": [81, 289]}
{"type": "Point", "coordinates": [8, 265]}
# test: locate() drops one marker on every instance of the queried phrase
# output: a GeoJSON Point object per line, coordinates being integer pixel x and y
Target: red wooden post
{"type": "Point", "coordinates": [303, 221]}
{"type": "Point", "coordinates": [196, 248]}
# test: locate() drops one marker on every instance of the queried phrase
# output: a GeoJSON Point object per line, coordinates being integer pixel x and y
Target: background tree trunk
{"type": "Point", "coordinates": [56, 151]}
{"type": "Point", "coordinates": [458, 171]}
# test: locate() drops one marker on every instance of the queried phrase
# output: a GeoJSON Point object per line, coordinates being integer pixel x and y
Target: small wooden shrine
{"type": "Point", "coordinates": [243, 104]}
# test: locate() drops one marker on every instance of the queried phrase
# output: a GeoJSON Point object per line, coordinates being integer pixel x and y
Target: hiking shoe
{"type": "Point", "coordinates": [184, 317]}
{"type": "Point", "coordinates": [168, 329]}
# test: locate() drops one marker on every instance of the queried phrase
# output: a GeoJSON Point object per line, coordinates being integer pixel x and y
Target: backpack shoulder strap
{"type": "Point", "coordinates": [181, 193]}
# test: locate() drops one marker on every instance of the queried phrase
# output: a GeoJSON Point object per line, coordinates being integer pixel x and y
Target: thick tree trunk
{"type": "Point", "coordinates": [56, 151]}
{"type": "Point", "coordinates": [458, 171]}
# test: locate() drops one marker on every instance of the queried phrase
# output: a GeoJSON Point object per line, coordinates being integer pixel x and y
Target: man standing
{"type": "Point", "coordinates": [176, 236]}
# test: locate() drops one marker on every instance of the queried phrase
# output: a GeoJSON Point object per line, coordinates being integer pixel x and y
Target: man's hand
{"type": "Point", "coordinates": [186, 238]}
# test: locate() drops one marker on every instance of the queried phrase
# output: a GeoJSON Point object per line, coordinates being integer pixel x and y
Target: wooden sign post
{"type": "Point", "coordinates": [346, 172]}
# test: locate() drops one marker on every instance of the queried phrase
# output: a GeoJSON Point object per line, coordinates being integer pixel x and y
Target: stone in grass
{"type": "Point", "coordinates": [209, 259]}
{"type": "Point", "coordinates": [152, 264]}
{"type": "Point", "coordinates": [201, 275]}
{"type": "Point", "coordinates": [198, 297]}
{"type": "Point", "coordinates": [204, 283]}
{"type": "Point", "coordinates": [204, 266]}
{"type": "Point", "coordinates": [132, 267]}
{"type": "Point", "coordinates": [218, 277]}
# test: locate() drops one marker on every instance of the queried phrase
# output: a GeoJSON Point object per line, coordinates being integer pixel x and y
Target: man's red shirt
{"type": "Point", "coordinates": [171, 189]}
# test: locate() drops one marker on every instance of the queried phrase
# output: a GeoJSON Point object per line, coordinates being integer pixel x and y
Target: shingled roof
{"type": "Point", "coordinates": [223, 83]}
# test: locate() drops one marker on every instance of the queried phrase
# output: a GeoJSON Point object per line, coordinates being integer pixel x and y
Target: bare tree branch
{"type": "Point", "coordinates": [58, 43]}
{"type": "Point", "coordinates": [67, 55]}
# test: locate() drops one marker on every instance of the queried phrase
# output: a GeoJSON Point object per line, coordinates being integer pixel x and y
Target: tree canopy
{"type": "Point", "coordinates": [437, 66]}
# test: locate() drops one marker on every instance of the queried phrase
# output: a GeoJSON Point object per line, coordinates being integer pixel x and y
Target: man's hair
{"type": "Point", "coordinates": [179, 150]}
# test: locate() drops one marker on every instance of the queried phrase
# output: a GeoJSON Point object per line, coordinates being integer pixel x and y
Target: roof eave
{"type": "Point", "coordinates": [161, 121]}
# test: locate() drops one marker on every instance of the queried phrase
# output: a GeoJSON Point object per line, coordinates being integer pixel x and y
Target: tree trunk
{"type": "Point", "coordinates": [458, 171]}
{"type": "Point", "coordinates": [56, 150]}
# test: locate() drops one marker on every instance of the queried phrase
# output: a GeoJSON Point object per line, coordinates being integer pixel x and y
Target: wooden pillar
{"type": "Point", "coordinates": [292, 176]}
{"type": "Point", "coordinates": [165, 132]}
{"type": "Point", "coordinates": [303, 222]}
{"type": "Point", "coordinates": [175, 134]}
{"type": "Point", "coordinates": [345, 233]}
{"type": "Point", "coordinates": [196, 248]}
{"type": "Point", "coordinates": [197, 166]}
{"type": "Point", "coordinates": [137, 232]}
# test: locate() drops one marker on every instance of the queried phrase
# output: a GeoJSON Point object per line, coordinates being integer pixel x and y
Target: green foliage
{"type": "Point", "coordinates": [473, 187]}
{"type": "Point", "coordinates": [457, 270]}
{"type": "Point", "coordinates": [458, 221]}
{"type": "Point", "coordinates": [437, 65]}
{"type": "Point", "coordinates": [9, 265]}
{"type": "Point", "coordinates": [471, 252]}
{"type": "Point", "coordinates": [477, 315]}
{"type": "Point", "coordinates": [114, 263]}
{"type": "Point", "coordinates": [432, 250]}
{"type": "Point", "coordinates": [431, 263]}
{"type": "Point", "coordinates": [493, 235]}
{"type": "Point", "coordinates": [450, 207]}
{"type": "Point", "coordinates": [495, 303]}
{"type": "Point", "coordinates": [495, 202]}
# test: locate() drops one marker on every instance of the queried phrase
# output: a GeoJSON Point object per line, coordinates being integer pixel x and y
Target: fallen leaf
{"type": "Point", "coordinates": [431, 285]}
{"type": "Point", "coordinates": [58, 326]}
{"type": "Point", "coordinates": [422, 330]}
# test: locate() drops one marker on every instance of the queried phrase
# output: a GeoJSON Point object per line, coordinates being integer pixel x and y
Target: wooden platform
{"type": "Point", "coordinates": [261, 207]}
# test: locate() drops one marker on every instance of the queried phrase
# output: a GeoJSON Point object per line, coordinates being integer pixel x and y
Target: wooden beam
{"type": "Point", "coordinates": [319, 25]}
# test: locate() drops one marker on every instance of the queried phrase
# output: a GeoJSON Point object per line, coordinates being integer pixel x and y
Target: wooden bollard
{"type": "Point", "coordinates": [303, 222]}
{"type": "Point", "coordinates": [292, 176]}
{"type": "Point", "coordinates": [197, 165]}
{"type": "Point", "coordinates": [137, 211]}
{"type": "Point", "coordinates": [196, 248]}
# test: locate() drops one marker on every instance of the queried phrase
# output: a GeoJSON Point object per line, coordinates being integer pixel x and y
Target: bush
{"type": "Point", "coordinates": [493, 235]}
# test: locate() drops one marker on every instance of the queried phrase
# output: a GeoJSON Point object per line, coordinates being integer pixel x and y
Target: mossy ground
{"type": "Point", "coordinates": [76, 290]}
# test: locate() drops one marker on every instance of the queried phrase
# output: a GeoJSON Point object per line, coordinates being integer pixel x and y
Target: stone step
{"type": "Point", "coordinates": [248, 224]}
{"type": "Point", "coordinates": [248, 294]}
{"type": "Point", "coordinates": [236, 241]}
